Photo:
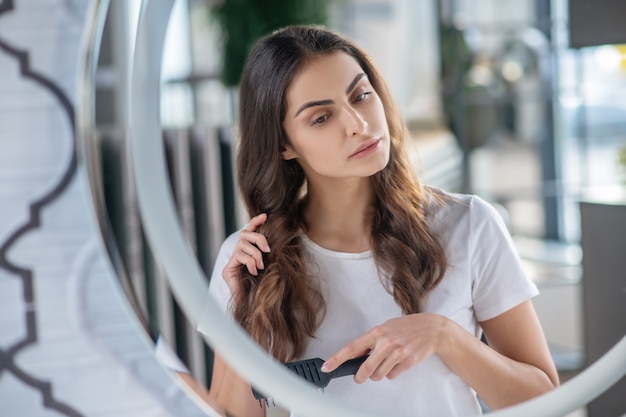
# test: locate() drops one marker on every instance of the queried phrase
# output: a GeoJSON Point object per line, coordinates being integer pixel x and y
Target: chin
{"type": "Point", "coordinates": [378, 166]}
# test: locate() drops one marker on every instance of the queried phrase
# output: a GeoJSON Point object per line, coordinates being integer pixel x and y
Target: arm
{"type": "Point", "coordinates": [516, 366]}
{"type": "Point", "coordinates": [231, 393]}
{"type": "Point", "coordinates": [196, 388]}
{"type": "Point", "coordinates": [169, 359]}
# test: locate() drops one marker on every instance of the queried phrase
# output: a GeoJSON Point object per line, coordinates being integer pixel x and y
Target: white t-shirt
{"type": "Point", "coordinates": [484, 279]}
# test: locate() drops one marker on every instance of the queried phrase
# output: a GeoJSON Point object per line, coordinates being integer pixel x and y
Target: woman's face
{"type": "Point", "coordinates": [335, 120]}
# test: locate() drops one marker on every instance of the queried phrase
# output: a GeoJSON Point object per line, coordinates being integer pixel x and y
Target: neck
{"type": "Point", "coordinates": [338, 218]}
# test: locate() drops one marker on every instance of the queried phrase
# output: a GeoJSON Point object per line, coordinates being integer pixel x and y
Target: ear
{"type": "Point", "coordinates": [288, 153]}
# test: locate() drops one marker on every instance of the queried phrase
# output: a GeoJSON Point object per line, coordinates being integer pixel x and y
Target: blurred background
{"type": "Point", "coordinates": [522, 102]}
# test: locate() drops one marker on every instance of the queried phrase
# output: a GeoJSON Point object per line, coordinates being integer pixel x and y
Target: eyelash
{"type": "Point", "coordinates": [320, 120]}
{"type": "Point", "coordinates": [363, 96]}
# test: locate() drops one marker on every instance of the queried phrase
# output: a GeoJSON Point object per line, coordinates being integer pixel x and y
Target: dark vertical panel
{"type": "Point", "coordinates": [112, 188]}
{"type": "Point", "coordinates": [603, 232]}
{"type": "Point", "coordinates": [550, 172]}
{"type": "Point", "coordinates": [149, 267]}
{"type": "Point", "coordinates": [228, 180]}
{"type": "Point", "coordinates": [598, 22]}
{"type": "Point", "coordinates": [200, 207]}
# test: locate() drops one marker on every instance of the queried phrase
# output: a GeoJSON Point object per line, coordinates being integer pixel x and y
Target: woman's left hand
{"type": "Point", "coordinates": [393, 346]}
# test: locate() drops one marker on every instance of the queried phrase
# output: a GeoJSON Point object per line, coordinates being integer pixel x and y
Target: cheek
{"type": "Point", "coordinates": [320, 154]}
{"type": "Point", "coordinates": [308, 147]}
{"type": "Point", "coordinates": [378, 114]}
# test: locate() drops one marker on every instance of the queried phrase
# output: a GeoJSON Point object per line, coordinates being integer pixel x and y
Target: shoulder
{"type": "Point", "coordinates": [227, 248]}
{"type": "Point", "coordinates": [217, 285]}
{"type": "Point", "coordinates": [225, 252]}
{"type": "Point", "coordinates": [463, 219]}
{"type": "Point", "coordinates": [228, 245]}
{"type": "Point", "coordinates": [446, 209]}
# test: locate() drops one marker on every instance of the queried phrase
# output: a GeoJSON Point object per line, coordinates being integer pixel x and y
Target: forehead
{"type": "Point", "coordinates": [322, 76]}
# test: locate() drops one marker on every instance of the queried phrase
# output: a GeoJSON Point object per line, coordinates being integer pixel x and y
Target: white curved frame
{"type": "Point", "coordinates": [189, 284]}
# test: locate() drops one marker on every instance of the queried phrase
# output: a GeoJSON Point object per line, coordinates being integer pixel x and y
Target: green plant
{"type": "Point", "coordinates": [243, 22]}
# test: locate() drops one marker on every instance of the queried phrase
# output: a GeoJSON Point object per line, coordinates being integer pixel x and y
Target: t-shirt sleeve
{"type": "Point", "coordinates": [499, 280]}
{"type": "Point", "coordinates": [167, 357]}
{"type": "Point", "coordinates": [218, 289]}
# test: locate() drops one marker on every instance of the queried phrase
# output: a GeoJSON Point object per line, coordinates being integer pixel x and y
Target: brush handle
{"type": "Point", "coordinates": [305, 368]}
{"type": "Point", "coordinates": [349, 367]}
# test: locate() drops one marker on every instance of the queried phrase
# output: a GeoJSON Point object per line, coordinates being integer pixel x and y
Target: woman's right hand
{"type": "Point", "coordinates": [248, 251]}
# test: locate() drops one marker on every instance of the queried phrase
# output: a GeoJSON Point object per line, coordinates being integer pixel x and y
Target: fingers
{"type": "Point", "coordinates": [248, 255]}
{"type": "Point", "coordinates": [377, 366]}
{"type": "Point", "coordinates": [354, 349]}
{"type": "Point", "coordinates": [250, 235]}
{"type": "Point", "coordinates": [393, 347]}
{"type": "Point", "coordinates": [380, 364]}
{"type": "Point", "coordinates": [249, 249]}
{"type": "Point", "coordinates": [255, 222]}
{"type": "Point", "coordinates": [383, 366]}
{"type": "Point", "coordinates": [252, 245]}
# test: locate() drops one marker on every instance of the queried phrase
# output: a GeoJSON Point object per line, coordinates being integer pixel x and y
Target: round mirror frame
{"type": "Point", "coordinates": [185, 276]}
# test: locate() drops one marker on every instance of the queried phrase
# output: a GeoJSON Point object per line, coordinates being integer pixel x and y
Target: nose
{"type": "Point", "coordinates": [354, 121]}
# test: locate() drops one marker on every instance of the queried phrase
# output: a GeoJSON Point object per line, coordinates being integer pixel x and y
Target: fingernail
{"type": "Point", "coordinates": [262, 264]}
{"type": "Point", "coordinates": [325, 367]}
{"type": "Point", "coordinates": [266, 248]}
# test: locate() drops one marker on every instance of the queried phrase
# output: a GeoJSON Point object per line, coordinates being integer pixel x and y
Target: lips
{"type": "Point", "coordinates": [365, 148]}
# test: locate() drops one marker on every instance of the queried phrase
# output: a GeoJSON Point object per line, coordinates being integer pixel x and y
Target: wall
{"type": "Point", "coordinates": [68, 344]}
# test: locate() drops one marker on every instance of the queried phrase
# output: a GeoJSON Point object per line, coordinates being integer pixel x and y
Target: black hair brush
{"type": "Point", "coordinates": [311, 370]}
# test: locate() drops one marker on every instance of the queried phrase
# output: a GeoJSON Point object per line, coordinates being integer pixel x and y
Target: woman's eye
{"type": "Point", "coordinates": [362, 96]}
{"type": "Point", "coordinates": [319, 120]}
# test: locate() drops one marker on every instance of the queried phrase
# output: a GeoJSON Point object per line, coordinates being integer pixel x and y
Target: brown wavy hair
{"type": "Point", "coordinates": [282, 307]}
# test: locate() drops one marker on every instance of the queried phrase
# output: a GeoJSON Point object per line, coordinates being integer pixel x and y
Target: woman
{"type": "Point", "coordinates": [346, 253]}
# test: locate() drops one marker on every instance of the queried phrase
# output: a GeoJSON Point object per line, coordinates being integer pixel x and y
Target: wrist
{"type": "Point", "coordinates": [445, 335]}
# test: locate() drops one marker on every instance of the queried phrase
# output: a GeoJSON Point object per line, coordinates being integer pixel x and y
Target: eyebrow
{"type": "Point", "coordinates": [354, 82]}
{"type": "Point", "coordinates": [325, 102]}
